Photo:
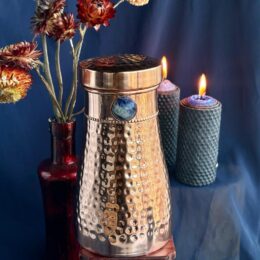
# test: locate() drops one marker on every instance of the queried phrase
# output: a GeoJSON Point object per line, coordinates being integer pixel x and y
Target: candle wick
{"type": "Point", "coordinates": [202, 97]}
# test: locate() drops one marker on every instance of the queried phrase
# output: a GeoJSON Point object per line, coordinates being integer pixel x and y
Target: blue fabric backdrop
{"type": "Point", "coordinates": [218, 37]}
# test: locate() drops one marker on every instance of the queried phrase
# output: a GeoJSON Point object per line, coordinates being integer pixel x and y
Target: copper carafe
{"type": "Point", "coordinates": [123, 204]}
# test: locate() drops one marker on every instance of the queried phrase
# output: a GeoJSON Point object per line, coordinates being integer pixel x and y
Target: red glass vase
{"type": "Point", "coordinates": [58, 177]}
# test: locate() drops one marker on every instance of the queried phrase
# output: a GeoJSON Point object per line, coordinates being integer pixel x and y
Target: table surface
{"type": "Point", "coordinates": [207, 222]}
{"type": "Point", "coordinates": [206, 219]}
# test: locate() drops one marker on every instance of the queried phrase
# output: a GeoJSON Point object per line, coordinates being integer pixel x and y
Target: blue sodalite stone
{"type": "Point", "coordinates": [124, 108]}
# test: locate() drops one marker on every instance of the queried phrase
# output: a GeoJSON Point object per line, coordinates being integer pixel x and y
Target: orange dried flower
{"type": "Point", "coordinates": [138, 2]}
{"type": "Point", "coordinates": [46, 12]}
{"type": "Point", "coordinates": [14, 84]}
{"type": "Point", "coordinates": [24, 55]}
{"type": "Point", "coordinates": [64, 27]}
{"type": "Point", "coordinates": [95, 13]}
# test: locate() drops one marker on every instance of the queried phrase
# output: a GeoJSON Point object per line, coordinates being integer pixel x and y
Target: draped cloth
{"type": "Point", "coordinates": [221, 39]}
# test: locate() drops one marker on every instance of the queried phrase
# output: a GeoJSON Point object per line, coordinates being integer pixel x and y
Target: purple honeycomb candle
{"type": "Point", "coordinates": [168, 103]}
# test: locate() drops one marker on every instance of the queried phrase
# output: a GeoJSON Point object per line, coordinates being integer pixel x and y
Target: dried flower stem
{"type": "Point", "coordinates": [58, 72]}
{"type": "Point", "coordinates": [75, 75]}
{"type": "Point", "coordinates": [78, 52]}
{"type": "Point", "coordinates": [47, 72]}
{"type": "Point", "coordinates": [72, 46]}
{"type": "Point", "coordinates": [53, 97]}
{"type": "Point", "coordinates": [120, 2]}
{"type": "Point", "coordinates": [79, 112]}
{"type": "Point", "coordinates": [71, 101]}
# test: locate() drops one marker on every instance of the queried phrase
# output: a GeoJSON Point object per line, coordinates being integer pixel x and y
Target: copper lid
{"type": "Point", "coordinates": [121, 73]}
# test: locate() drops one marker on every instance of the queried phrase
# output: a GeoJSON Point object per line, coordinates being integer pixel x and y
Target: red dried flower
{"type": "Point", "coordinates": [64, 27]}
{"type": "Point", "coordinates": [14, 84]}
{"type": "Point", "coordinates": [95, 12]}
{"type": "Point", "coordinates": [24, 55]}
{"type": "Point", "coordinates": [46, 11]}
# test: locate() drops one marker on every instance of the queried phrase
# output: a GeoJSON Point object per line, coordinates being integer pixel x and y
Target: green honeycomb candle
{"type": "Point", "coordinates": [198, 140]}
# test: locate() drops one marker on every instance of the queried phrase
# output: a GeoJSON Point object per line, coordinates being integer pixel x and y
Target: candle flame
{"type": "Point", "coordinates": [164, 67]}
{"type": "Point", "coordinates": [202, 85]}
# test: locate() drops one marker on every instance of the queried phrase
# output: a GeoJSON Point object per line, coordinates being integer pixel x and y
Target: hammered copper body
{"type": "Point", "coordinates": [123, 206]}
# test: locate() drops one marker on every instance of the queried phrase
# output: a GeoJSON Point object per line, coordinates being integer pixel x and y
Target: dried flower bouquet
{"type": "Point", "coordinates": [52, 21]}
